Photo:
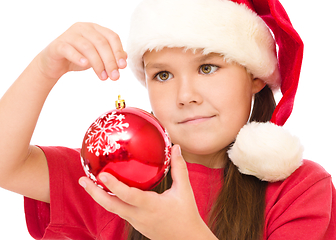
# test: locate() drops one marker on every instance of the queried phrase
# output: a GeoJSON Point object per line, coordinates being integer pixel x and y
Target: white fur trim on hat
{"type": "Point", "coordinates": [266, 151]}
{"type": "Point", "coordinates": [215, 26]}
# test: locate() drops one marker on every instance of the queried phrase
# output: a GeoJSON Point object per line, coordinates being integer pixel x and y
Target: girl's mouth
{"type": "Point", "coordinates": [196, 119]}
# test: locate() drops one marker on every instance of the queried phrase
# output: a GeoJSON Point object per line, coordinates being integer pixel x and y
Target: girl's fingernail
{"type": "Point", "coordinates": [82, 183]}
{"type": "Point", "coordinates": [115, 75]}
{"type": "Point", "coordinates": [122, 63]}
{"type": "Point", "coordinates": [83, 60]}
{"type": "Point", "coordinates": [103, 179]}
{"type": "Point", "coordinates": [178, 151]}
{"type": "Point", "coordinates": [104, 75]}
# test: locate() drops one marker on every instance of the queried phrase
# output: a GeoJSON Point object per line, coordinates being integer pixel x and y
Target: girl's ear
{"type": "Point", "coordinates": [257, 85]}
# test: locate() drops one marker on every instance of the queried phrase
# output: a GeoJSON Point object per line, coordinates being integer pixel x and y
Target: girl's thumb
{"type": "Point", "coordinates": [179, 171]}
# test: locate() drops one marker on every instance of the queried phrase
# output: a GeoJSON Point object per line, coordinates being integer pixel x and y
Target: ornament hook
{"type": "Point", "coordinates": [120, 103]}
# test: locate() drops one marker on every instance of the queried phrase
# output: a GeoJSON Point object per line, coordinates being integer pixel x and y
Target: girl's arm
{"type": "Point", "coordinates": [23, 167]}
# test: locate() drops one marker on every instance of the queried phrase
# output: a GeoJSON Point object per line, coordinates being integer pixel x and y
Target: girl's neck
{"type": "Point", "coordinates": [214, 160]}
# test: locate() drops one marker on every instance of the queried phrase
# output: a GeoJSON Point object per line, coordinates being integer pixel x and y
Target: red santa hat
{"type": "Point", "coordinates": [240, 31]}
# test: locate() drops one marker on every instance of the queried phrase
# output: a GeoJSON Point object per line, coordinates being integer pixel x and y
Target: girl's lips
{"type": "Point", "coordinates": [196, 119]}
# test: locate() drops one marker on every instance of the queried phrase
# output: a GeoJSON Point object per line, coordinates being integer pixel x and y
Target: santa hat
{"type": "Point", "coordinates": [239, 30]}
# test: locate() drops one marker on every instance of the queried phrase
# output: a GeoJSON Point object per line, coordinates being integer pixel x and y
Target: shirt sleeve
{"type": "Point", "coordinates": [302, 207]}
{"type": "Point", "coordinates": [37, 217]}
{"type": "Point", "coordinates": [68, 215]}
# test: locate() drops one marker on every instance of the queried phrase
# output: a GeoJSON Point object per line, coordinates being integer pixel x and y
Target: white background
{"type": "Point", "coordinates": [79, 98]}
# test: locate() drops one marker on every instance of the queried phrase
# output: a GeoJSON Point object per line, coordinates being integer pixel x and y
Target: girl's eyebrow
{"type": "Point", "coordinates": [204, 58]}
{"type": "Point", "coordinates": [199, 59]}
{"type": "Point", "coordinates": [155, 65]}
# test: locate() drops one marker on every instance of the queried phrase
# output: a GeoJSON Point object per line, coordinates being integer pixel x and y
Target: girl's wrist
{"type": "Point", "coordinates": [204, 233]}
{"type": "Point", "coordinates": [41, 77]}
{"type": "Point", "coordinates": [199, 232]}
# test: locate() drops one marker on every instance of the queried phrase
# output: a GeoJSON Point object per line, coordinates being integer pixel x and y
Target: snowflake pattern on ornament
{"type": "Point", "coordinates": [168, 158]}
{"type": "Point", "coordinates": [100, 133]}
{"type": "Point", "coordinates": [167, 154]}
{"type": "Point", "coordinates": [87, 171]}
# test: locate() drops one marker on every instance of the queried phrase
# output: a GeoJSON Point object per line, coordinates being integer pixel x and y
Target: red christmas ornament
{"type": "Point", "coordinates": [128, 143]}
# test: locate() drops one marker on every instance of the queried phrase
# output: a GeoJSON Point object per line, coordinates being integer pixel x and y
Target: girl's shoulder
{"type": "Point", "coordinates": [310, 169]}
{"type": "Point", "coordinates": [308, 175]}
{"type": "Point", "coordinates": [302, 206]}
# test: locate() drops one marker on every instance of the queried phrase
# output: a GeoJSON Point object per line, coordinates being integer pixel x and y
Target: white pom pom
{"type": "Point", "coordinates": [266, 151]}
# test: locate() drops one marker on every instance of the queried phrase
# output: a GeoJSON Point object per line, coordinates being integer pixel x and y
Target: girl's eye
{"type": "Point", "coordinates": [208, 69]}
{"type": "Point", "coordinates": [163, 76]}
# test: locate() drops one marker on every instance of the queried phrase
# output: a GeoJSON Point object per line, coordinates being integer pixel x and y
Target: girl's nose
{"type": "Point", "coordinates": [188, 92]}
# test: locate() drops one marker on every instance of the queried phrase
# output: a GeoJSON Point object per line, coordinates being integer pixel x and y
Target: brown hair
{"type": "Point", "coordinates": [238, 212]}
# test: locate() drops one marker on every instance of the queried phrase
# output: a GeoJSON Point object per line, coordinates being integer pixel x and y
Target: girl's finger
{"type": "Point", "coordinates": [179, 170]}
{"type": "Point", "coordinates": [104, 49]}
{"type": "Point", "coordinates": [85, 47]}
{"type": "Point", "coordinates": [129, 195]}
{"type": "Point", "coordinates": [110, 203]}
{"type": "Point", "coordinates": [115, 43]}
{"type": "Point", "coordinates": [72, 55]}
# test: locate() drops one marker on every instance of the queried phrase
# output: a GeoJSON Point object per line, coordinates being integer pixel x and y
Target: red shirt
{"type": "Point", "coordinates": [301, 207]}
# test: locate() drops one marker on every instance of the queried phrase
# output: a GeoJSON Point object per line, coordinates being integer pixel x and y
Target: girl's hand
{"type": "Point", "coordinates": [171, 215]}
{"type": "Point", "coordinates": [82, 46]}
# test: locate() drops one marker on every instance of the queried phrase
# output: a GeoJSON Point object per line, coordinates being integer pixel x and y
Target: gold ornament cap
{"type": "Point", "coordinates": [120, 103]}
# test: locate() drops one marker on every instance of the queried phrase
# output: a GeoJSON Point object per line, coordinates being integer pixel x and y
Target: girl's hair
{"type": "Point", "coordinates": [238, 212]}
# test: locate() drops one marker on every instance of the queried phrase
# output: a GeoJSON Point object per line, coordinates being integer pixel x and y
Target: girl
{"type": "Point", "coordinates": [201, 78]}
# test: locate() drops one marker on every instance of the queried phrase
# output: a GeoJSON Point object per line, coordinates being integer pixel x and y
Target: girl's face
{"type": "Point", "coordinates": [202, 100]}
